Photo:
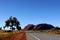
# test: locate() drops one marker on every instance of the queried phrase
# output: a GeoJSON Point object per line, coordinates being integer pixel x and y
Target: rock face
{"type": "Point", "coordinates": [29, 27]}
{"type": "Point", "coordinates": [39, 27]}
{"type": "Point", "coordinates": [44, 26]}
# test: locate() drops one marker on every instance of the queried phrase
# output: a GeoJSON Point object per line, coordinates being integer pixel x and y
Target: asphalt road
{"type": "Point", "coordinates": [41, 36]}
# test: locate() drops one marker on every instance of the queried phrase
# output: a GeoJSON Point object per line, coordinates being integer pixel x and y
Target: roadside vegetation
{"type": "Point", "coordinates": [14, 26]}
{"type": "Point", "coordinates": [51, 31]}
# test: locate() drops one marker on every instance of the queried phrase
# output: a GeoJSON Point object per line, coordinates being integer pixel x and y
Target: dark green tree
{"type": "Point", "coordinates": [0, 28]}
{"type": "Point", "coordinates": [12, 22]}
{"type": "Point", "coordinates": [16, 23]}
{"type": "Point", "coordinates": [57, 28]}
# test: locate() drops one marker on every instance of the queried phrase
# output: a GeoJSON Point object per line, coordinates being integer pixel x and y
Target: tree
{"type": "Point", "coordinates": [18, 28]}
{"type": "Point", "coordinates": [57, 28]}
{"type": "Point", "coordinates": [12, 22]}
{"type": "Point", "coordinates": [0, 28]}
{"type": "Point", "coordinates": [16, 23]}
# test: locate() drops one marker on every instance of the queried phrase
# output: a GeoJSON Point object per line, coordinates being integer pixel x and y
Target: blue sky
{"type": "Point", "coordinates": [31, 11]}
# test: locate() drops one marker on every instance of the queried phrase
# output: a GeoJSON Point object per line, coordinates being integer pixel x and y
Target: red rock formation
{"type": "Point", "coordinates": [29, 27]}
{"type": "Point", "coordinates": [37, 26]}
{"type": "Point", "coordinates": [43, 26]}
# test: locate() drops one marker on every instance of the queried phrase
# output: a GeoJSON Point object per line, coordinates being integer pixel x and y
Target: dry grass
{"type": "Point", "coordinates": [49, 31]}
{"type": "Point", "coordinates": [4, 34]}
{"type": "Point", "coordinates": [54, 32]}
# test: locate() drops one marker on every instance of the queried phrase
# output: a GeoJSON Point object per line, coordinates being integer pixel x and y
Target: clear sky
{"type": "Point", "coordinates": [31, 11]}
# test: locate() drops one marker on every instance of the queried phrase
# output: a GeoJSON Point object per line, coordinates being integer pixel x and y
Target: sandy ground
{"type": "Point", "coordinates": [17, 36]}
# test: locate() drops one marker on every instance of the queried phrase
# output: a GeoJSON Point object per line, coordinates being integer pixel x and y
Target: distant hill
{"type": "Point", "coordinates": [42, 26]}
{"type": "Point", "coordinates": [29, 27]}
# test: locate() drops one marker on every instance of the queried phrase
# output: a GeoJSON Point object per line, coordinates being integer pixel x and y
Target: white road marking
{"type": "Point", "coordinates": [34, 36]}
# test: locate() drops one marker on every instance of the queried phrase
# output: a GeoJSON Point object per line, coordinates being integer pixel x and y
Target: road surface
{"type": "Point", "coordinates": [41, 36]}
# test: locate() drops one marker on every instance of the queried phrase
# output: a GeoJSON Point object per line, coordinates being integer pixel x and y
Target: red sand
{"type": "Point", "coordinates": [17, 36]}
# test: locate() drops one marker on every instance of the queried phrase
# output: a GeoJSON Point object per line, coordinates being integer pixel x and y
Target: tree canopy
{"type": "Point", "coordinates": [12, 22]}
